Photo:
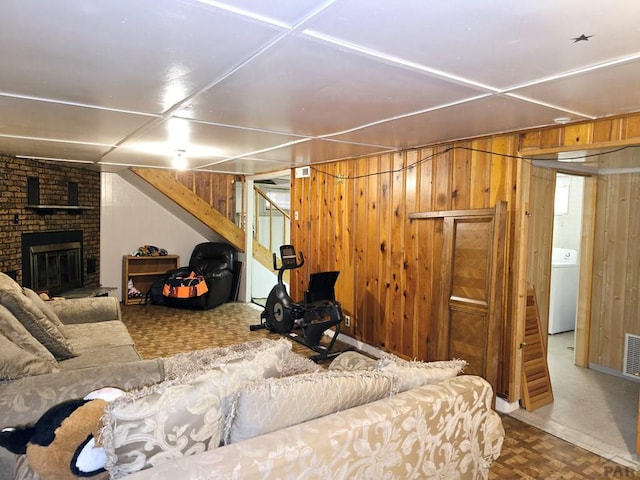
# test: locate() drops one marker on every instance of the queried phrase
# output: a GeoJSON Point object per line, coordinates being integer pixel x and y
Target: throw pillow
{"type": "Point", "coordinates": [348, 361]}
{"type": "Point", "coordinates": [36, 322]}
{"type": "Point", "coordinates": [11, 328]}
{"type": "Point", "coordinates": [413, 374]}
{"type": "Point", "coordinates": [277, 403]}
{"type": "Point", "coordinates": [44, 308]}
{"type": "Point", "coordinates": [200, 361]}
{"type": "Point", "coordinates": [16, 362]}
{"type": "Point", "coordinates": [8, 283]}
{"type": "Point", "coordinates": [184, 415]}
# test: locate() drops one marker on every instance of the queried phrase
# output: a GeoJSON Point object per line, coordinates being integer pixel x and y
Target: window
{"type": "Point", "coordinates": [282, 198]}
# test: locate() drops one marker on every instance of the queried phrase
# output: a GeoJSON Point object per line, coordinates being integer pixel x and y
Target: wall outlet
{"type": "Point", "coordinates": [347, 321]}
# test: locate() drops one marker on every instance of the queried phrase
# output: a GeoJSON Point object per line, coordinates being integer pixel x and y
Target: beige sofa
{"type": "Point", "coordinates": [446, 430]}
{"type": "Point", "coordinates": [253, 410]}
{"type": "Point", "coordinates": [57, 350]}
{"type": "Point", "coordinates": [325, 424]}
{"type": "Point", "coordinates": [39, 337]}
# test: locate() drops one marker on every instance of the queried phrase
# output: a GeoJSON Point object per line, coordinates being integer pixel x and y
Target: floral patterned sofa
{"type": "Point", "coordinates": [258, 411]}
{"type": "Point", "coordinates": [361, 419]}
{"type": "Point", "coordinates": [438, 431]}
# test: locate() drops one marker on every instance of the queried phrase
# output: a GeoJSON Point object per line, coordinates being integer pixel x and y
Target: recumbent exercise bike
{"type": "Point", "coordinates": [318, 312]}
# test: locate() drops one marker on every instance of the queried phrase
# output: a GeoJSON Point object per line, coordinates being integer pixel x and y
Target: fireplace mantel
{"type": "Point", "coordinates": [53, 208]}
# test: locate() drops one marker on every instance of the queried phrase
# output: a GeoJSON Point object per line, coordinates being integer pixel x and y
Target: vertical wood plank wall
{"type": "Point", "coordinates": [541, 203]}
{"type": "Point", "coordinates": [352, 216]}
{"type": "Point", "coordinates": [218, 190]}
{"type": "Point", "coordinates": [615, 306]}
{"type": "Point", "coordinates": [615, 280]}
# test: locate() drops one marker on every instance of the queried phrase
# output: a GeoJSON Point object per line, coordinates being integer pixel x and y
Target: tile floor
{"type": "Point", "coordinates": [591, 409]}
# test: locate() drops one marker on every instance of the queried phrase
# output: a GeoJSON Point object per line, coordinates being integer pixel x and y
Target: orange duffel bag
{"type": "Point", "coordinates": [185, 287]}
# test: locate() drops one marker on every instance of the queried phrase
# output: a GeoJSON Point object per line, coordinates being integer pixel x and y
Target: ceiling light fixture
{"type": "Point", "coordinates": [179, 161]}
{"type": "Point", "coordinates": [562, 120]}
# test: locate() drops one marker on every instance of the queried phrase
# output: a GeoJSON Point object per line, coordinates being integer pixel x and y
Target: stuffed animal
{"type": "Point", "coordinates": [62, 445]}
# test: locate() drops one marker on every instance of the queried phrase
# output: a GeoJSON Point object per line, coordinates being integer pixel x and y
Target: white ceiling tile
{"type": "Point", "coordinates": [498, 43]}
{"type": "Point", "coordinates": [597, 93]}
{"type": "Point", "coordinates": [51, 150]}
{"type": "Point", "coordinates": [309, 88]}
{"type": "Point", "coordinates": [289, 12]}
{"type": "Point", "coordinates": [317, 151]}
{"type": "Point", "coordinates": [202, 143]}
{"type": "Point", "coordinates": [125, 157]}
{"type": "Point", "coordinates": [142, 56]}
{"type": "Point", "coordinates": [248, 166]}
{"type": "Point", "coordinates": [481, 117]}
{"type": "Point", "coordinates": [260, 76]}
{"type": "Point", "coordinates": [45, 120]}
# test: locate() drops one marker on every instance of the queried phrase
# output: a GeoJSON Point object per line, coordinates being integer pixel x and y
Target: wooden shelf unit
{"type": "Point", "coordinates": [144, 271]}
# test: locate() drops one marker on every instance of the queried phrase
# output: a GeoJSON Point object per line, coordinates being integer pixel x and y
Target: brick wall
{"type": "Point", "coordinates": [54, 178]}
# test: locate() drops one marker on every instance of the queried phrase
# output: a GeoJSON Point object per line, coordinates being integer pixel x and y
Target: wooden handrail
{"type": "Point", "coordinates": [272, 207]}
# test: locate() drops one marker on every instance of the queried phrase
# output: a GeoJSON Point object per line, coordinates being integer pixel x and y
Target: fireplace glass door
{"type": "Point", "coordinates": [56, 268]}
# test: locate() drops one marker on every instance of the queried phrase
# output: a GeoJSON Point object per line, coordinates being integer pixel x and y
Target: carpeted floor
{"type": "Point", "coordinates": [528, 453]}
{"type": "Point", "coordinates": [160, 331]}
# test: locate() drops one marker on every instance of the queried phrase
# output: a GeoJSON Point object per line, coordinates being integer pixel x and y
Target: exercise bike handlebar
{"type": "Point", "coordinates": [288, 262]}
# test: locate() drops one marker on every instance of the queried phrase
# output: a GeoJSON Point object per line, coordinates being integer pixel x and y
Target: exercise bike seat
{"type": "Point", "coordinates": [321, 287]}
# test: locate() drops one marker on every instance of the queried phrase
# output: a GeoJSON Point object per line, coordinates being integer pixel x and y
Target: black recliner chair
{"type": "Point", "coordinates": [217, 263]}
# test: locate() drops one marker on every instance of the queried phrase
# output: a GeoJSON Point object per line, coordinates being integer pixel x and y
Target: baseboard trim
{"type": "Point", "coordinates": [357, 344]}
{"type": "Point", "coordinates": [504, 406]}
{"type": "Point", "coordinates": [611, 371]}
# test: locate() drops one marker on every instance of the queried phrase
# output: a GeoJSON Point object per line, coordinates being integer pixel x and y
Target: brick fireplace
{"type": "Point", "coordinates": [63, 240]}
{"type": "Point", "coordinates": [52, 261]}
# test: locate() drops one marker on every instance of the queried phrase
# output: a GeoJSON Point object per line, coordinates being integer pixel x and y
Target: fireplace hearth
{"type": "Point", "coordinates": [52, 261]}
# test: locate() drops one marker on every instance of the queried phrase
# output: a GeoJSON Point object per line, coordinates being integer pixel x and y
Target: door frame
{"type": "Point", "coordinates": [585, 279]}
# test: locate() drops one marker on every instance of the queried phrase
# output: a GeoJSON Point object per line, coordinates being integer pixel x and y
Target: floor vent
{"type": "Point", "coordinates": [632, 355]}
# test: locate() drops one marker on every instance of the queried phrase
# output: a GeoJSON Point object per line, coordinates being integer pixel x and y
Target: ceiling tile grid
{"type": "Point", "coordinates": [248, 86]}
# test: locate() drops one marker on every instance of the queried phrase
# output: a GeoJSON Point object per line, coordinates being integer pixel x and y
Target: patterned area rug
{"type": "Point", "coordinates": [528, 453]}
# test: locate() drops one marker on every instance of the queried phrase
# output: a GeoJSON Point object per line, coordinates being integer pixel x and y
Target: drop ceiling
{"type": "Point", "coordinates": [255, 86]}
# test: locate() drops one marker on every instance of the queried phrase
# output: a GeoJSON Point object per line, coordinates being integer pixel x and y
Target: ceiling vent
{"type": "Point", "coordinates": [632, 356]}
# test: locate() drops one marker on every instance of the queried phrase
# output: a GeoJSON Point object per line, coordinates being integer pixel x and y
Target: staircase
{"type": "Point", "coordinates": [183, 190]}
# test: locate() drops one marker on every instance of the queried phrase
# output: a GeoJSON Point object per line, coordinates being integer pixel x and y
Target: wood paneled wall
{"type": "Point", "coordinates": [611, 131]}
{"type": "Point", "coordinates": [615, 307]}
{"type": "Point", "coordinates": [218, 190]}
{"type": "Point", "coordinates": [543, 185]}
{"type": "Point", "coordinates": [615, 274]}
{"type": "Point", "coordinates": [352, 216]}
{"type": "Point", "coordinates": [615, 270]}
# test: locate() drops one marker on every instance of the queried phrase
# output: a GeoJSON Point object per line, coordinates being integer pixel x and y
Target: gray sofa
{"type": "Point", "coordinates": [60, 334]}
{"type": "Point", "coordinates": [57, 350]}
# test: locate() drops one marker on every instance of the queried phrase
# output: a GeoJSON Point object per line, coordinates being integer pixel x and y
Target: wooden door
{"type": "Point", "coordinates": [472, 290]}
